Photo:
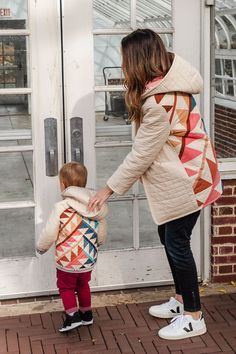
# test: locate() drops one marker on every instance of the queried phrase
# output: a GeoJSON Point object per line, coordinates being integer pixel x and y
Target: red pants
{"type": "Point", "coordinates": [71, 283]}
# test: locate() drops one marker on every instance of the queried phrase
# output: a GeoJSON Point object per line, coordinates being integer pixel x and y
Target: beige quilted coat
{"type": "Point", "coordinates": [171, 153]}
{"type": "Point", "coordinates": [77, 199]}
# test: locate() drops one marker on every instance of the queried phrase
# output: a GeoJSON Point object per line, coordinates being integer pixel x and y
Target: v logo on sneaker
{"type": "Point", "coordinates": [190, 329]}
{"type": "Point", "coordinates": [177, 310]}
{"type": "Point", "coordinates": [169, 309]}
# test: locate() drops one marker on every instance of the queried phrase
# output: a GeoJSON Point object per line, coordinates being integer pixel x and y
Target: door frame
{"type": "Point", "coordinates": [71, 55]}
{"type": "Point", "coordinates": [49, 67]}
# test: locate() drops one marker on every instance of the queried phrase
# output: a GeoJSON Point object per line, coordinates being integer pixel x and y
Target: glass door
{"type": "Point", "coordinates": [62, 99]}
{"type": "Point", "coordinates": [30, 92]}
{"type": "Point", "coordinates": [92, 32]}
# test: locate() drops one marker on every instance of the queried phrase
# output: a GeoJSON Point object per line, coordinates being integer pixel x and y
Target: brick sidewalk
{"type": "Point", "coordinates": [119, 329]}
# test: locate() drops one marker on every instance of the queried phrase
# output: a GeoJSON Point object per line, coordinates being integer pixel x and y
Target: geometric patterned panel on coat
{"type": "Point", "coordinates": [76, 247]}
{"type": "Point", "coordinates": [192, 145]}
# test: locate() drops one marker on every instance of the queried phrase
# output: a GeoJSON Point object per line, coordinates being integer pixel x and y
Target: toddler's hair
{"type": "Point", "coordinates": [73, 174]}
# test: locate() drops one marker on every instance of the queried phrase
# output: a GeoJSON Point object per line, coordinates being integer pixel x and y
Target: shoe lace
{"type": "Point", "coordinates": [177, 321]}
{"type": "Point", "coordinates": [169, 303]}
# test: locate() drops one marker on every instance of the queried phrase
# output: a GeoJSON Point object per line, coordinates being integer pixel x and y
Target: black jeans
{"type": "Point", "coordinates": [176, 236]}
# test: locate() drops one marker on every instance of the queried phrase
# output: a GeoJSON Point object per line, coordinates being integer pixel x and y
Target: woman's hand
{"type": "Point", "coordinates": [100, 198]}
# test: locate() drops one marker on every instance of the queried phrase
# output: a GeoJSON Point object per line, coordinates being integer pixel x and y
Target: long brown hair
{"type": "Point", "coordinates": [144, 57]}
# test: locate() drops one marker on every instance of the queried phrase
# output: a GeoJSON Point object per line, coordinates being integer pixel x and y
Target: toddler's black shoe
{"type": "Point", "coordinates": [71, 322]}
{"type": "Point", "coordinates": [86, 317]}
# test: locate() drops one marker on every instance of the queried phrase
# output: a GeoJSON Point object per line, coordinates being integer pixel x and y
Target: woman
{"type": "Point", "coordinates": [175, 161]}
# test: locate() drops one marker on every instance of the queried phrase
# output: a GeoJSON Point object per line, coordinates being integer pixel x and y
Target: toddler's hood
{"type": "Point", "coordinates": [78, 199]}
{"type": "Point", "coordinates": [182, 77]}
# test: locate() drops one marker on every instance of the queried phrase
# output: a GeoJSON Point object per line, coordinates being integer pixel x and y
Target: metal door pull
{"type": "Point", "coordinates": [52, 154]}
{"type": "Point", "coordinates": [51, 146]}
{"type": "Point", "coordinates": [77, 154]}
{"type": "Point", "coordinates": [77, 148]}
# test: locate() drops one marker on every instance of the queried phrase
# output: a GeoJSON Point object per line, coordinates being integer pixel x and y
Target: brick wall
{"type": "Point", "coordinates": [225, 131]}
{"type": "Point", "coordinates": [223, 239]}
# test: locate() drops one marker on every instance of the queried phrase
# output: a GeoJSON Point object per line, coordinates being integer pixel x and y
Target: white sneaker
{"type": "Point", "coordinates": [183, 326]}
{"type": "Point", "coordinates": [169, 309]}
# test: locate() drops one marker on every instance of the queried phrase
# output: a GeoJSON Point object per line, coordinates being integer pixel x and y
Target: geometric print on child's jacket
{"type": "Point", "coordinates": [191, 143]}
{"type": "Point", "coordinates": [76, 246]}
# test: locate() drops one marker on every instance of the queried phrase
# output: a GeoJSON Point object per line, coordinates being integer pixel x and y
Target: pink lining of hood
{"type": "Point", "coordinates": [153, 83]}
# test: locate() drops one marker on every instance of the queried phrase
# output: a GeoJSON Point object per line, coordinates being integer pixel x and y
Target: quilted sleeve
{"type": "Point", "coordinates": [151, 136]}
{"type": "Point", "coordinates": [50, 232]}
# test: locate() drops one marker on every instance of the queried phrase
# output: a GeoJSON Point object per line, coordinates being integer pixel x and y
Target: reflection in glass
{"type": "Point", "coordinates": [17, 233]}
{"type": "Point", "coordinates": [15, 120]}
{"type": "Point", "coordinates": [117, 13]}
{"type": "Point", "coordinates": [119, 237]}
{"type": "Point", "coordinates": [13, 14]}
{"type": "Point", "coordinates": [107, 55]}
{"type": "Point", "coordinates": [225, 79]}
{"type": "Point", "coordinates": [16, 175]}
{"type": "Point", "coordinates": [219, 85]}
{"type": "Point", "coordinates": [108, 160]}
{"type": "Point", "coordinates": [156, 14]}
{"type": "Point", "coordinates": [148, 234]}
{"type": "Point", "coordinates": [13, 62]}
{"type": "Point", "coordinates": [111, 14]}
{"type": "Point", "coordinates": [111, 117]}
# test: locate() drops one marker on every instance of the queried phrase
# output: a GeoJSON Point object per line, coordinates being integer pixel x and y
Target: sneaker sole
{"type": "Point", "coordinates": [73, 326]}
{"type": "Point", "coordinates": [199, 332]}
{"type": "Point", "coordinates": [87, 323]}
{"type": "Point", "coordinates": [163, 316]}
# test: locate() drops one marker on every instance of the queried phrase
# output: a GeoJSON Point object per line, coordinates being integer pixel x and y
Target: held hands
{"type": "Point", "coordinates": [100, 198]}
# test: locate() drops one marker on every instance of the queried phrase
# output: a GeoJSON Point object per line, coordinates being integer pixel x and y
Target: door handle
{"type": "Point", "coordinates": [77, 147]}
{"type": "Point", "coordinates": [77, 154]}
{"type": "Point", "coordinates": [51, 154]}
{"type": "Point", "coordinates": [51, 146]}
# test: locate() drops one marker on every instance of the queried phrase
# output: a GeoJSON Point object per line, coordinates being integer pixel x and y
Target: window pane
{"type": "Point", "coordinates": [219, 85]}
{"type": "Point", "coordinates": [228, 67]}
{"type": "Point", "coordinates": [229, 87]}
{"type": "Point", "coordinates": [218, 67]}
{"type": "Point", "coordinates": [107, 58]}
{"type": "Point", "coordinates": [13, 14]}
{"type": "Point", "coordinates": [108, 160]}
{"type": "Point", "coordinates": [119, 237]}
{"type": "Point", "coordinates": [111, 117]}
{"type": "Point", "coordinates": [156, 12]}
{"type": "Point", "coordinates": [230, 27]}
{"type": "Point", "coordinates": [14, 61]}
{"type": "Point", "coordinates": [220, 34]}
{"type": "Point", "coordinates": [225, 131]}
{"type": "Point", "coordinates": [17, 233]}
{"type": "Point", "coordinates": [111, 14]}
{"type": "Point", "coordinates": [225, 98]}
{"type": "Point", "coordinates": [2, 79]}
{"type": "Point", "coordinates": [148, 234]}
{"type": "Point", "coordinates": [15, 120]}
{"type": "Point", "coordinates": [16, 176]}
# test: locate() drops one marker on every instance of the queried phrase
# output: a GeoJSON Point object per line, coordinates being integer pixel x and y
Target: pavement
{"type": "Point", "coordinates": [125, 327]}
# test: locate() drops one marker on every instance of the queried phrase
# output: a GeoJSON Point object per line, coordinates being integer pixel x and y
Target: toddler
{"type": "Point", "coordinates": [77, 233]}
